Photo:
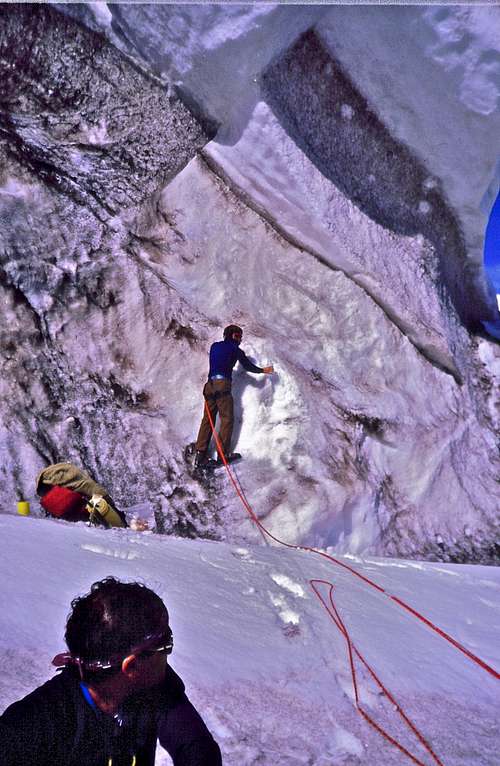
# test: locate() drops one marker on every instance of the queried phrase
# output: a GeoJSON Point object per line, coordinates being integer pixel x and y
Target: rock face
{"type": "Point", "coordinates": [85, 134]}
{"type": "Point", "coordinates": [83, 118]}
{"type": "Point", "coordinates": [128, 242]}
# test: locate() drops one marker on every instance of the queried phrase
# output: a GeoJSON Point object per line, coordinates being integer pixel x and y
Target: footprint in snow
{"type": "Point", "coordinates": [115, 553]}
{"type": "Point", "coordinates": [288, 584]}
{"type": "Point", "coordinates": [289, 618]}
{"type": "Point", "coordinates": [243, 555]}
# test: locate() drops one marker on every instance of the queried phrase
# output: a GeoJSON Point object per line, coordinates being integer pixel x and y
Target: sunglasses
{"type": "Point", "coordinates": [150, 646]}
{"type": "Point", "coordinates": [155, 643]}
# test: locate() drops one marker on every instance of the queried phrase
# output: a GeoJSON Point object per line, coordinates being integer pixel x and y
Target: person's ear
{"type": "Point", "coordinates": [130, 666]}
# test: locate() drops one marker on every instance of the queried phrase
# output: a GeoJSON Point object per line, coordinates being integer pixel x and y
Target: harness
{"type": "Point", "coordinates": [218, 394]}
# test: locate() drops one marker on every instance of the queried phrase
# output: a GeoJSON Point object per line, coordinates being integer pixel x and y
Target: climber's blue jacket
{"type": "Point", "coordinates": [223, 356]}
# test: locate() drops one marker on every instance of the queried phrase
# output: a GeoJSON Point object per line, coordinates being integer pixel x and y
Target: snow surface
{"type": "Point", "coordinates": [261, 659]}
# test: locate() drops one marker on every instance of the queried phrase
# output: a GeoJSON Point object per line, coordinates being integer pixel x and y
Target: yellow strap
{"type": "Point", "coordinates": [113, 519]}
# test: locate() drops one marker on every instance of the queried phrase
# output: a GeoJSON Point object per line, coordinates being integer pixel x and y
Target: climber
{"type": "Point", "coordinates": [217, 394]}
{"type": "Point", "coordinates": [115, 694]}
{"type": "Point", "coordinates": [68, 493]}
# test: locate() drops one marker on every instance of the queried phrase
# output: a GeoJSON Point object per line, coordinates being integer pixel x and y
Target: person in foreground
{"type": "Point", "coordinates": [115, 695]}
{"type": "Point", "coordinates": [217, 393]}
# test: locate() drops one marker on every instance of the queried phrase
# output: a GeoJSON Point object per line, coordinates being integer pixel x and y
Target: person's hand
{"type": "Point", "coordinates": [268, 370]}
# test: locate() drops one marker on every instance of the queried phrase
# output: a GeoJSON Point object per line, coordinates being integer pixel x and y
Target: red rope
{"type": "Point", "coordinates": [352, 650]}
{"type": "Point", "coordinates": [335, 617]}
{"type": "Point", "coordinates": [350, 569]}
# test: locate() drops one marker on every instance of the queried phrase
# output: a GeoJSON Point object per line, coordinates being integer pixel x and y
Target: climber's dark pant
{"type": "Point", "coordinates": [217, 395]}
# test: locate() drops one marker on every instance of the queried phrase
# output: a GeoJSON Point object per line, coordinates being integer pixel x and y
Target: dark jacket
{"type": "Point", "coordinates": [56, 726]}
{"type": "Point", "coordinates": [223, 356]}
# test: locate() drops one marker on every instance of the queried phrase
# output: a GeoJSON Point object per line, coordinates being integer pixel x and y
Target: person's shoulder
{"type": "Point", "coordinates": [168, 695]}
{"type": "Point", "coordinates": [40, 727]}
{"type": "Point", "coordinates": [54, 694]}
{"type": "Point", "coordinates": [182, 731]}
{"type": "Point", "coordinates": [173, 686]}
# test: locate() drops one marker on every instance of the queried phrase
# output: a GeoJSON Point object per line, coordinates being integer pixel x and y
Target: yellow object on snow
{"type": "Point", "coordinates": [23, 508]}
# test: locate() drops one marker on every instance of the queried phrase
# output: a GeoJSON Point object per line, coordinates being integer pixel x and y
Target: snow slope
{"type": "Point", "coordinates": [260, 656]}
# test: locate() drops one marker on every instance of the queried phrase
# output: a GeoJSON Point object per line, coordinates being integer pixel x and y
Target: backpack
{"type": "Point", "coordinates": [64, 503]}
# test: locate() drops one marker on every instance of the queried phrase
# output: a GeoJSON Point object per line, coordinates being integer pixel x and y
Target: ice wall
{"type": "Point", "coordinates": [429, 73]}
{"type": "Point", "coordinates": [130, 239]}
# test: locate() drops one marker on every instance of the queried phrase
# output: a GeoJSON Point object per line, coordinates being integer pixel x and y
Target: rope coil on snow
{"type": "Point", "coordinates": [333, 612]}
